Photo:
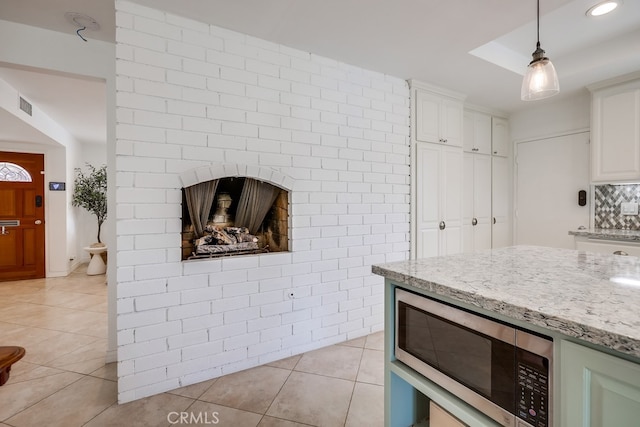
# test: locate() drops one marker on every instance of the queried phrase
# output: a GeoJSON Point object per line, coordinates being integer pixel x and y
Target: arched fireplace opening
{"type": "Point", "coordinates": [234, 216]}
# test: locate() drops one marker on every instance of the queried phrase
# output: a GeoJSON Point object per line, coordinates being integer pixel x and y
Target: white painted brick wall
{"type": "Point", "coordinates": [195, 100]}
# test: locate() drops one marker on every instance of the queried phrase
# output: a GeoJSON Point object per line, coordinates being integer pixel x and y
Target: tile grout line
{"type": "Point", "coordinates": [353, 389]}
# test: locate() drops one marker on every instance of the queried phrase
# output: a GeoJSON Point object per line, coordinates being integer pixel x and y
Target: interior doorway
{"type": "Point", "coordinates": [549, 174]}
{"type": "Point", "coordinates": [22, 226]}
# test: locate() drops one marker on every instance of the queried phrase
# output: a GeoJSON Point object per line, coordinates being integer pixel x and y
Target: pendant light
{"type": "Point", "coordinates": [541, 80]}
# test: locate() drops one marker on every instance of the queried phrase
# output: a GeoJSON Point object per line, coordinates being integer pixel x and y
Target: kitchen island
{"type": "Point", "coordinates": [587, 302]}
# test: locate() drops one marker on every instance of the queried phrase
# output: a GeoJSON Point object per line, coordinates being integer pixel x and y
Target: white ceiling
{"type": "Point", "coordinates": [428, 40]}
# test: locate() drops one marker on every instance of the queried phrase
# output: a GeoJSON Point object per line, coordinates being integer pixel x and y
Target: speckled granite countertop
{"type": "Point", "coordinates": [584, 295]}
{"type": "Point", "coordinates": [608, 234]}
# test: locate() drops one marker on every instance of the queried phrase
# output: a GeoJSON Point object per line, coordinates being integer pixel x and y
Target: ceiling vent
{"type": "Point", "coordinates": [26, 106]}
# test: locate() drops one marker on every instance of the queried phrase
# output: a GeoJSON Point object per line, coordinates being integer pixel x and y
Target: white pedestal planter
{"type": "Point", "coordinates": [96, 265]}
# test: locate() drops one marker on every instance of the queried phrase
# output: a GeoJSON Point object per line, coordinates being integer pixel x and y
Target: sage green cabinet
{"type": "Point", "coordinates": [598, 389]}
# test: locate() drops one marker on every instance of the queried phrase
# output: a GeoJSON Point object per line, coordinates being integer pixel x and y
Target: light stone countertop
{"type": "Point", "coordinates": [589, 296]}
{"type": "Point", "coordinates": [608, 234]}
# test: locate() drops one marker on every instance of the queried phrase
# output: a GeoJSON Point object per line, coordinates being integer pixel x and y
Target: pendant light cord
{"type": "Point", "coordinates": [80, 35]}
{"type": "Point", "coordinates": [538, 23]}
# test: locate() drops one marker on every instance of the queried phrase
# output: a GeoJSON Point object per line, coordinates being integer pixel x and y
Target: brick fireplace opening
{"type": "Point", "coordinates": [234, 215]}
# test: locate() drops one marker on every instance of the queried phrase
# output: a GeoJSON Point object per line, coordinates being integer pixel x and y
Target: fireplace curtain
{"type": "Point", "coordinates": [255, 201]}
{"type": "Point", "coordinates": [199, 201]}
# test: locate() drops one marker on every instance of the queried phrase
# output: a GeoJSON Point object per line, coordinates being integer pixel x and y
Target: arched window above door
{"type": "Point", "coordinates": [13, 173]}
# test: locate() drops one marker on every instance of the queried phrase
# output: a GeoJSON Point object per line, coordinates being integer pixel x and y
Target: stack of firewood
{"type": "Point", "coordinates": [225, 236]}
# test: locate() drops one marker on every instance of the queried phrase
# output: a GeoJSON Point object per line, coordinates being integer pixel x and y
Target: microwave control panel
{"type": "Point", "coordinates": [533, 395]}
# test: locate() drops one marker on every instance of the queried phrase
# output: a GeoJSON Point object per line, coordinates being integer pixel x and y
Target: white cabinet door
{"type": "Point", "coordinates": [477, 132]}
{"type": "Point", "coordinates": [468, 132]}
{"type": "Point", "coordinates": [428, 173]}
{"type": "Point", "coordinates": [500, 137]}
{"type": "Point", "coordinates": [451, 122]}
{"type": "Point", "coordinates": [427, 117]}
{"type": "Point", "coordinates": [476, 216]}
{"type": "Point", "coordinates": [438, 200]}
{"type": "Point", "coordinates": [615, 147]}
{"type": "Point", "coordinates": [597, 389]}
{"type": "Point", "coordinates": [451, 198]}
{"type": "Point", "coordinates": [467, 203]}
{"type": "Point", "coordinates": [500, 190]}
{"type": "Point", "coordinates": [438, 119]}
{"type": "Point", "coordinates": [482, 201]}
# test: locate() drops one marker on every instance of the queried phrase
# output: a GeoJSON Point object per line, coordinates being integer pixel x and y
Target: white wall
{"type": "Point", "coordinates": [549, 118]}
{"type": "Point", "coordinates": [192, 95]}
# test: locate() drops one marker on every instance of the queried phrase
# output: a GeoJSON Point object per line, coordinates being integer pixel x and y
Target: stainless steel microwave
{"type": "Point", "coordinates": [502, 371]}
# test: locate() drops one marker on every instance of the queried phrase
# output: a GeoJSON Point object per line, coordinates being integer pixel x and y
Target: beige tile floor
{"type": "Point", "coordinates": [63, 380]}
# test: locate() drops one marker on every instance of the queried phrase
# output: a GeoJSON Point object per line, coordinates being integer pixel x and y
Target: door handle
{"type": "Point", "coordinates": [4, 223]}
{"type": "Point", "coordinates": [623, 253]}
{"type": "Point", "coordinates": [442, 225]}
{"type": "Point", "coordinates": [38, 222]}
{"type": "Point", "coordinates": [494, 219]}
{"type": "Point", "coordinates": [474, 221]}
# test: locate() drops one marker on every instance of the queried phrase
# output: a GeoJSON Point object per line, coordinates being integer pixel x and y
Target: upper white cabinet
{"type": "Point", "coordinates": [438, 118]}
{"type": "Point", "coordinates": [500, 137]}
{"type": "Point", "coordinates": [477, 132]}
{"type": "Point", "coordinates": [615, 132]}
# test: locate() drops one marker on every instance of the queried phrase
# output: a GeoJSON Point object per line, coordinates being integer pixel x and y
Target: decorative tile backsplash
{"type": "Point", "coordinates": [607, 202]}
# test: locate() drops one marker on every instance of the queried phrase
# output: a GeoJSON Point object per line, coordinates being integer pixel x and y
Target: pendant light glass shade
{"type": "Point", "coordinates": [541, 79]}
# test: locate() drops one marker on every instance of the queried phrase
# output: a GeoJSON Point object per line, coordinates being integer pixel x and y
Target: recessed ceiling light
{"type": "Point", "coordinates": [603, 8]}
{"type": "Point", "coordinates": [82, 20]}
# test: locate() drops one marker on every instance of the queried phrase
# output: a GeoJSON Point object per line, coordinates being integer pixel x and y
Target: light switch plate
{"type": "Point", "coordinates": [629, 208]}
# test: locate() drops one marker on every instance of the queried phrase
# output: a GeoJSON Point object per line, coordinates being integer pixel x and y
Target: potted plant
{"type": "Point", "coordinates": [90, 193]}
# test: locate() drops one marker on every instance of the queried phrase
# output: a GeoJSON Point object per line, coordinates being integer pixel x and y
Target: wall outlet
{"type": "Point", "coordinates": [629, 208]}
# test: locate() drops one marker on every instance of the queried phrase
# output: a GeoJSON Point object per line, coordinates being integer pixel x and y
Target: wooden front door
{"type": "Point", "coordinates": [21, 216]}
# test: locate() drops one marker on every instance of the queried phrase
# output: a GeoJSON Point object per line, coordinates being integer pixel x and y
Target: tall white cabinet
{"type": "Point", "coordinates": [461, 179]}
{"type": "Point", "coordinates": [487, 182]}
{"type": "Point", "coordinates": [436, 170]}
